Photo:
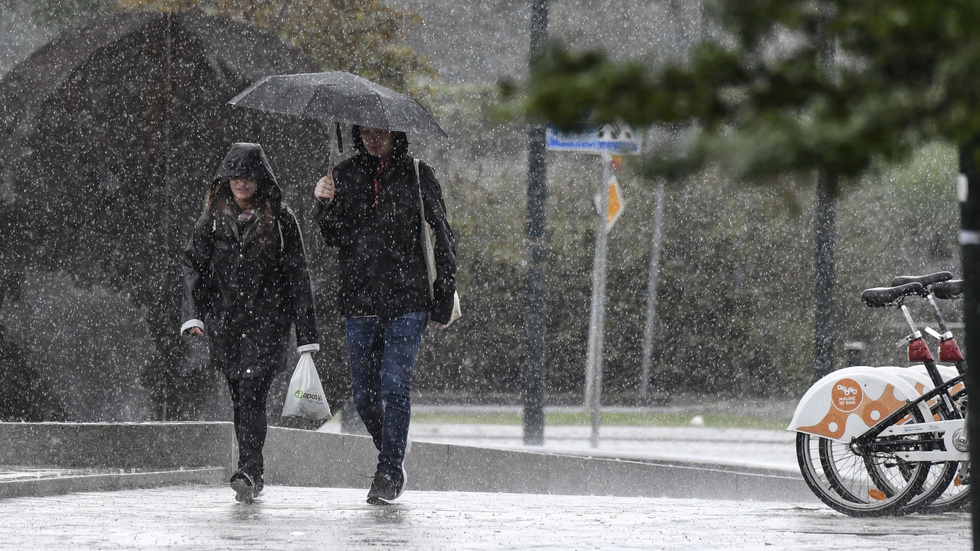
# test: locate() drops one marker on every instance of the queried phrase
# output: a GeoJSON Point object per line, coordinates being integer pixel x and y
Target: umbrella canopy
{"type": "Point", "coordinates": [338, 96]}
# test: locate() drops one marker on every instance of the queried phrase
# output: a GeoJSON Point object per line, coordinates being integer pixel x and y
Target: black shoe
{"type": "Point", "coordinates": [259, 486]}
{"type": "Point", "coordinates": [386, 488]}
{"type": "Point", "coordinates": [243, 486]}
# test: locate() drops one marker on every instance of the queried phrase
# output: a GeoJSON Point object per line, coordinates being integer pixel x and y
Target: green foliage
{"type": "Point", "coordinates": [609, 419]}
{"type": "Point", "coordinates": [64, 14]}
{"type": "Point", "coordinates": [898, 222]}
{"type": "Point", "coordinates": [789, 86]}
{"type": "Point", "coordinates": [359, 36]}
{"type": "Point", "coordinates": [364, 37]}
{"type": "Point", "coordinates": [734, 315]}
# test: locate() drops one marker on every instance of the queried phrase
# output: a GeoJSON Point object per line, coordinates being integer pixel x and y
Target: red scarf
{"type": "Point", "coordinates": [377, 178]}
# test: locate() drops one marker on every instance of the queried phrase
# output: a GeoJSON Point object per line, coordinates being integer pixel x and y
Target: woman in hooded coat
{"type": "Point", "coordinates": [369, 208]}
{"type": "Point", "coordinates": [245, 283]}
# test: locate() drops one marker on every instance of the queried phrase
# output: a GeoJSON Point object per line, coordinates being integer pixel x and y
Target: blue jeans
{"type": "Point", "coordinates": [382, 355]}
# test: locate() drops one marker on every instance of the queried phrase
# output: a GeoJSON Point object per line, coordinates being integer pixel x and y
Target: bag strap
{"type": "Point", "coordinates": [418, 180]}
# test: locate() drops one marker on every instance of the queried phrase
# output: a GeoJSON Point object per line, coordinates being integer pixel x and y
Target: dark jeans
{"type": "Point", "coordinates": [382, 354]}
{"type": "Point", "coordinates": [248, 396]}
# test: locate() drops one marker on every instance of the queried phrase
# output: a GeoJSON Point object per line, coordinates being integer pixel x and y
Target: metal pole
{"type": "Point", "coordinates": [968, 193]}
{"type": "Point", "coordinates": [827, 184]}
{"type": "Point", "coordinates": [535, 315]}
{"type": "Point", "coordinates": [825, 276]}
{"type": "Point", "coordinates": [593, 368]}
{"type": "Point", "coordinates": [658, 217]}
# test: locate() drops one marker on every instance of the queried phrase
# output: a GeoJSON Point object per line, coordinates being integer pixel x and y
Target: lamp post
{"type": "Point", "coordinates": [535, 315]}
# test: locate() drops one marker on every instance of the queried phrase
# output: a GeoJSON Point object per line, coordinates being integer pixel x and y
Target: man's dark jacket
{"type": "Point", "coordinates": [376, 228]}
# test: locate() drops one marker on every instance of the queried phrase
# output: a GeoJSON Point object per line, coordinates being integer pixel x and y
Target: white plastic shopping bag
{"type": "Point", "coordinates": [305, 395]}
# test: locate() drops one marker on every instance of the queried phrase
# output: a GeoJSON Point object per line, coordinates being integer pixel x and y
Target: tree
{"type": "Point", "coordinates": [763, 103]}
{"type": "Point", "coordinates": [789, 87]}
{"type": "Point", "coordinates": [63, 14]}
{"type": "Point", "coordinates": [360, 36]}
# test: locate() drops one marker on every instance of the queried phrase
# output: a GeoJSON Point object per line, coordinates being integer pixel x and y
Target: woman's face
{"type": "Point", "coordinates": [378, 142]}
{"type": "Point", "coordinates": [243, 189]}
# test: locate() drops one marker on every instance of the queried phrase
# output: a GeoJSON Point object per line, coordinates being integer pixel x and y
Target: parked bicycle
{"type": "Point", "coordinates": [938, 494]}
{"type": "Point", "coordinates": [869, 442]}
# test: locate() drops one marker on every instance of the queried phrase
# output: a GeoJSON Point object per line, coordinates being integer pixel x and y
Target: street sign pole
{"type": "Point", "coordinates": [593, 368]}
{"type": "Point", "coordinates": [658, 218]}
{"type": "Point", "coordinates": [606, 140]}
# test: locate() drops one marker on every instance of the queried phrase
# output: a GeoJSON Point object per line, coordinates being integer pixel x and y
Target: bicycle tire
{"type": "Point", "coordinates": [844, 481]}
{"type": "Point", "coordinates": [938, 477]}
{"type": "Point", "coordinates": [956, 497]}
{"type": "Point", "coordinates": [943, 490]}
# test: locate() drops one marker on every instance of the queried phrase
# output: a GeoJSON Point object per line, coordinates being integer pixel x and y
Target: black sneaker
{"type": "Point", "coordinates": [259, 486]}
{"type": "Point", "coordinates": [386, 488]}
{"type": "Point", "coordinates": [243, 486]}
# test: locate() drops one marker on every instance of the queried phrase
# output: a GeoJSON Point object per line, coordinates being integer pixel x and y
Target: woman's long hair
{"type": "Point", "coordinates": [220, 201]}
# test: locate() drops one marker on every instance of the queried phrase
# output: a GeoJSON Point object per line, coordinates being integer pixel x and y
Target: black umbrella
{"type": "Point", "coordinates": [338, 96]}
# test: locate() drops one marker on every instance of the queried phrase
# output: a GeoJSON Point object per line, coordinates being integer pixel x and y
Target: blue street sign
{"type": "Point", "coordinates": [610, 138]}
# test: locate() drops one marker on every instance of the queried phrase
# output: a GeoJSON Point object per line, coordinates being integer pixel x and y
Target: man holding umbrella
{"type": "Point", "coordinates": [370, 208]}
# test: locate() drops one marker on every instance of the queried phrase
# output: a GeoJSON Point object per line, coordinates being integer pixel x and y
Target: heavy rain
{"type": "Point", "coordinates": [114, 116]}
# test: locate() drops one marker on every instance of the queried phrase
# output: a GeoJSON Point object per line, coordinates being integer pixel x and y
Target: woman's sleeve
{"type": "Point", "coordinates": [300, 285]}
{"type": "Point", "coordinates": [196, 267]}
{"type": "Point", "coordinates": [444, 287]}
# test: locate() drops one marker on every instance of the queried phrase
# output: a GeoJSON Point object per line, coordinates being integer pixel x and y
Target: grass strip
{"type": "Point", "coordinates": [608, 419]}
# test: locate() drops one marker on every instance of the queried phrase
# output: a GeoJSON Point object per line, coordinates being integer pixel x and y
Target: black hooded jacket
{"type": "Point", "coordinates": [376, 229]}
{"type": "Point", "coordinates": [247, 288]}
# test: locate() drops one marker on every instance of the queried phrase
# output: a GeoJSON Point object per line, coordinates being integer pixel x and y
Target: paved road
{"type": "Point", "coordinates": [294, 518]}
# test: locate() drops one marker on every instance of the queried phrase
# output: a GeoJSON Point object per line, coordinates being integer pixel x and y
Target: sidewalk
{"type": "Point", "coordinates": [740, 449]}
{"type": "Point", "coordinates": [321, 505]}
{"type": "Point", "coordinates": [299, 518]}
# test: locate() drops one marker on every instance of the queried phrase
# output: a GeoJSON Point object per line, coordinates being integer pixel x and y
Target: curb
{"type": "Point", "coordinates": [108, 481]}
{"type": "Point", "coordinates": [123, 456]}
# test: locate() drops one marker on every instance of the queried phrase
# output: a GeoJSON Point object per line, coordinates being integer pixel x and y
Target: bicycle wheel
{"type": "Point", "coordinates": [875, 483]}
{"type": "Point", "coordinates": [956, 497]}
{"type": "Point", "coordinates": [937, 481]}
{"type": "Point", "coordinates": [944, 489]}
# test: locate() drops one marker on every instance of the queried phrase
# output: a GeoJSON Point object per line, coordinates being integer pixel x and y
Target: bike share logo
{"type": "Point", "coordinates": [300, 395]}
{"type": "Point", "coordinates": [846, 395]}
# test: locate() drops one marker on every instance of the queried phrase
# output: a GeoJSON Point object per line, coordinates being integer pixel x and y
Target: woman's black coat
{"type": "Point", "coordinates": [248, 298]}
{"type": "Point", "coordinates": [382, 270]}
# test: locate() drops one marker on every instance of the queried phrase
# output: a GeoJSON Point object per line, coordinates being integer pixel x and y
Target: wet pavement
{"type": "Point", "coordinates": [773, 450]}
{"type": "Point", "coordinates": [298, 518]}
{"type": "Point", "coordinates": [197, 511]}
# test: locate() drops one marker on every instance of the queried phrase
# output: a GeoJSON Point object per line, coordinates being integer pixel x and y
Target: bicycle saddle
{"type": "Point", "coordinates": [948, 290]}
{"type": "Point", "coordinates": [925, 280]}
{"type": "Point", "coordinates": [883, 296]}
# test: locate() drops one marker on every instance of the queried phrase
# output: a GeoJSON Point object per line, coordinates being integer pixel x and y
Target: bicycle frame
{"type": "Point", "coordinates": [955, 444]}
